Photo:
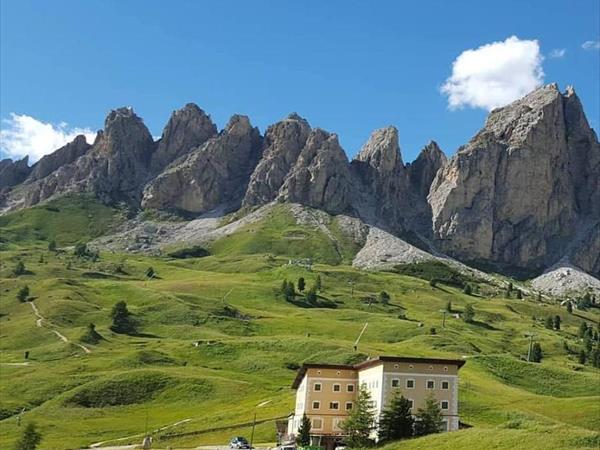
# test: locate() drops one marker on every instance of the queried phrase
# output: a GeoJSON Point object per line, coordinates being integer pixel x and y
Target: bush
{"type": "Point", "coordinates": [191, 252]}
{"type": "Point", "coordinates": [434, 271]}
{"type": "Point", "coordinates": [23, 294]}
{"type": "Point", "coordinates": [121, 317]}
{"type": "Point", "coordinates": [80, 249]}
{"type": "Point", "coordinates": [91, 336]}
{"type": "Point", "coordinates": [469, 314]}
{"type": "Point", "coordinates": [30, 438]}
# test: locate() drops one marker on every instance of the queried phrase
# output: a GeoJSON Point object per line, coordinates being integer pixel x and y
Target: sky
{"type": "Point", "coordinates": [431, 68]}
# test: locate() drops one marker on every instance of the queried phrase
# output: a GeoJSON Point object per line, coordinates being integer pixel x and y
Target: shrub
{"type": "Point", "coordinates": [30, 438]}
{"type": "Point", "coordinates": [121, 317]}
{"type": "Point", "coordinates": [190, 252]}
{"type": "Point", "coordinates": [469, 314]}
{"type": "Point", "coordinates": [23, 294]}
{"type": "Point", "coordinates": [19, 268]}
{"type": "Point", "coordinates": [80, 249]}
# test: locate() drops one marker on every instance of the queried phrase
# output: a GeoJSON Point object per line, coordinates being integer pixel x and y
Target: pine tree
{"type": "Point", "coordinates": [360, 422]}
{"type": "Point", "coordinates": [557, 322]}
{"type": "Point", "coordinates": [121, 317]}
{"type": "Point", "coordinates": [19, 268]}
{"type": "Point", "coordinates": [536, 353]}
{"type": "Point", "coordinates": [469, 314]}
{"type": "Point", "coordinates": [80, 249]}
{"type": "Point", "coordinates": [150, 272]}
{"type": "Point", "coordinates": [23, 294]}
{"type": "Point", "coordinates": [468, 289]}
{"type": "Point", "coordinates": [318, 283]}
{"type": "Point", "coordinates": [569, 307]}
{"type": "Point", "coordinates": [549, 323]}
{"type": "Point", "coordinates": [519, 294]}
{"type": "Point", "coordinates": [30, 438]}
{"type": "Point", "coordinates": [449, 306]}
{"type": "Point", "coordinates": [429, 419]}
{"type": "Point", "coordinates": [303, 438]}
{"type": "Point", "coordinates": [384, 297]}
{"type": "Point", "coordinates": [396, 421]}
{"type": "Point", "coordinates": [289, 292]}
{"type": "Point", "coordinates": [52, 245]}
{"type": "Point", "coordinates": [301, 284]}
{"type": "Point", "coordinates": [582, 357]}
{"type": "Point", "coordinates": [311, 295]}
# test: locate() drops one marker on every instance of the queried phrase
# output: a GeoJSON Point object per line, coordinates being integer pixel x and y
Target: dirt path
{"type": "Point", "coordinates": [62, 337]}
{"type": "Point", "coordinates": [141, 435]}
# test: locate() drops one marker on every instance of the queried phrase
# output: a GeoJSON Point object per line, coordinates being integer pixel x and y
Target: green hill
{"type": "Point", "coordinates": [215, 337]}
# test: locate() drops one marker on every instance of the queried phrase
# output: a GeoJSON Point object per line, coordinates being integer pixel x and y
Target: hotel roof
{"type": "Point", "coordinates": [373, 362]}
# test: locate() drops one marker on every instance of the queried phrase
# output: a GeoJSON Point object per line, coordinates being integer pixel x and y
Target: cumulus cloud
{"type": "Point", "coordinates": [23, 135]}
{"type": "Point", "coordinates": [558, 53]}
{"type": "Point", "coordinates": [494, 74]}
{"type": "Point", "coordinates": [591, 45]}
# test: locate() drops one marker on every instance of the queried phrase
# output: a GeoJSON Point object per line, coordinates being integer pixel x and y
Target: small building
{"type": "Point", "coordinates": [326, 392]}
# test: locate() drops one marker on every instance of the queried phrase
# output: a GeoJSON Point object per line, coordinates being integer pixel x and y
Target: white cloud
{"type": "Point", "coordinates": [558, 53]}
{"type": "Point", "coordinates": [24, 135]}
{"type": "Point", "coordinates": [494, 74]}
{"type": "Point", "coordinates": [591, 45]}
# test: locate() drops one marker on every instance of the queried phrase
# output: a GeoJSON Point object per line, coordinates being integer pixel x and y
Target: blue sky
{"type": "Point", "coordinates": [347, 66]}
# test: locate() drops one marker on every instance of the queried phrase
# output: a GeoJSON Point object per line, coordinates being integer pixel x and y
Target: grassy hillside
{"type": "Point", "coordinates": [215, 338]}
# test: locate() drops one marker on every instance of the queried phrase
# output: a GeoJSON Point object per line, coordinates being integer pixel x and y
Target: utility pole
{"type": "Point", "coordinates": [266, 402]}
{"type": "Point", "coordinates": [359, 336]}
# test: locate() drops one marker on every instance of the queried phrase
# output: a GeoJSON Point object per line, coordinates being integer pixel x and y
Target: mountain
{"type": "Point", "coordinates": [523, 190]}
{"type": "Point", "coordinates": [522, 195]}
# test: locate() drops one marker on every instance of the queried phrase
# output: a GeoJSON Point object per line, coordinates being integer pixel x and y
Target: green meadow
{"type": "Point", "coordinates": [216, 337]}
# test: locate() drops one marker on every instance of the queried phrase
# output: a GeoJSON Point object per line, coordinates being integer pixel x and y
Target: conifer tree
{"type": "Point", "coordinates": [396, 421]}
{"type": "Point", "coordinates": [429, 419]}
{"type": "Point", "coordinates": [303, 438]}
{"type": "Point", "coordinates": [360, 422]}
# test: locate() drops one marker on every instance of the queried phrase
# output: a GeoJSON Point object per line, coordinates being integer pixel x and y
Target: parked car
{"type": "Point", "coordinates": [239, 442]}
{"type": "Point", "coordinates": [286, 447]}
{"type": "Point", "coordinates": [340, 446]}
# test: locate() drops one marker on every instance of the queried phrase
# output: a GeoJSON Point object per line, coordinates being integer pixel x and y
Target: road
{"type": "Point", "coordinates": [39, 322]}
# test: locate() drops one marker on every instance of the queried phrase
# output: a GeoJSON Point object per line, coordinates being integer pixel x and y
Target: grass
{"type": "Point", "coordinates": [217, 339]}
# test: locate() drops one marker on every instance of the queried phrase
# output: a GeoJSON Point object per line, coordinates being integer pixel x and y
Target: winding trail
{"type": "Point", "coordinates": [99, 444]}
{"type": "Point", "coordinates": [62, 337]}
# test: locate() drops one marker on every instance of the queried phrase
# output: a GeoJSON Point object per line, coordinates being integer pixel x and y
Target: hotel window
{"type": "Point", "coordinates": [396, 366]}
{"type": "Point", "coordinates": [317, 424]}
{"type": "Point", "coordinates": [430, 367]}
{"type": "Point", "coordinates": [338, 372]}
{"type": "Point", "coordinates": [334, 405]}
{"type": "Point", "coordinates": [348, 406]}
{"type": "Point", "coordinates": [410, 384]}
{"type": "Point", "coordinates": [445, 385]}
{"type": "Point", "coordinates": [337, 387]}
{"type": "Point", "coordinates": [411, 403]}
{"type": "Point", "coordinates": [411, 367]}
{"type": "Point", "coordinates": [445, 425]}
{"type": "Point", "coordinates": [430, 384]}
{"type": "Point", "coordinates": [350, 388]}
{"type": "Point", "coordinates": [316, 405]}
{"type": "Point", "coordinates": [395, 382]}
{"type": "Point", "coordinates": [317, 387]}
{"type": "Point", "coordinates": [318, 372]}
{"type": "Point", "coordinates": [445, 368]}
{"type": "Point", "coordinates": [444, 404]}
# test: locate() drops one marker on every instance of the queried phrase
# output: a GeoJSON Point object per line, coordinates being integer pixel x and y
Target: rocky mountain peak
{"type": "Point", "coordinates": [187, 128]}
{"type": "Point", "coordinates": [13, 172]}
{"type": "Point", "coordinates": [422, 170]}
{"type": "Point", "coordinates": [282, 145]}
{"type": "Point", "coordinates": [61, 157]}
{"type": "Point", "coordinates": [382, 151]}
{"type": "Point", "coordinates": [517, 193]}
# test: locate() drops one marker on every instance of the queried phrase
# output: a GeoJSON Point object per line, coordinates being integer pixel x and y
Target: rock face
{"type": "Point", "coordinates": [384, 182]}
{"type": "Point", "coordinates": [114, 169]}
{"type": "Point", "coordinates": [13, 172]}
{"type": "Point", "coordinates": [212, 175]}
{"type": "Point", "coordinates": [513, 195]}
{"type": "Point", "coordinates": [283, 143]}
{"type": "Point", "coordinates": [423, 169]}
{"type": "Point", "coordinates": [64, 155]}
{"type": "Point", "coordinates": [187, 128]}
{"type": "Point", "coordinates": [321, 176]}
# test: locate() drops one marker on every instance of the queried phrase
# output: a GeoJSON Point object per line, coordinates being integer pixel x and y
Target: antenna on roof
{"type": "Point", "coordinates": [359, 336]}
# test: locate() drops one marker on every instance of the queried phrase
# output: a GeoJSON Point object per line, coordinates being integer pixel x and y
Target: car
{"type": "Point", "coordinates": [286, 447]}
{"type": "Point", "coordinates": [239, 442]}
{"type": "Point", "coordinates": [340, 446]}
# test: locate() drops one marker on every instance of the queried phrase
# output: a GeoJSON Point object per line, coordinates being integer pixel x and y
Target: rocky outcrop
{"type": "Point", "coordinates": [188, 128]}
{"type": "Point", "coordinates": [422, 170]}
{"type": "Point", "coordinates": [114, 169]}
{"type": "Point", "coordinates": [283, 143]}
{"type": "Point", "coordinates": [215, 174]}
{"type": "Point", "coordinates": [13, 172]}
{"type": "Point", "coordinates": [61, 157]}
{"type": "Point", "coordinates": [511, 195]}
{"type": "Point", "coordinates": [321, 176]}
